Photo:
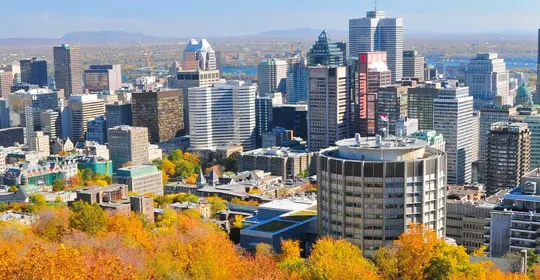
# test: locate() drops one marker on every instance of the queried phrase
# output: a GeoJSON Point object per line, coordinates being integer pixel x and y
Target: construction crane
{"type": "Point", "coordinates": [148, 60]}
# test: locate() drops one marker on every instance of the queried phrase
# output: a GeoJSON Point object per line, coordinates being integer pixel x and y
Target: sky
{"type": "Point", "coordinates": [183, 18]}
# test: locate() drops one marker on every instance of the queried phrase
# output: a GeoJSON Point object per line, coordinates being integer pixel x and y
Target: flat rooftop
{"type": "Point", "coordinates": [291, 204]}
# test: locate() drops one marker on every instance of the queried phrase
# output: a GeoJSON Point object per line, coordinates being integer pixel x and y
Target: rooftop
{"type": "Point", "coordinates": [291, 204]}
{"type": "Point", "coordinates": [136, 170]}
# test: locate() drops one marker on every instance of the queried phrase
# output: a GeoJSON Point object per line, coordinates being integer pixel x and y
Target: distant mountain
{"type": "Point", "coordinates": [108, 36]}
{"type": "Point", "coordinates": [303, 33]}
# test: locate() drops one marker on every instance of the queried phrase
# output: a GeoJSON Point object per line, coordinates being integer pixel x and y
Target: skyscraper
{"type": "Point", "coordinates": [68, 69]}
{"type": "Point", "coordinates": [50, 123]}
{"type": "Point", "coordinates": [372, 189]}
{"type": "Point", "coordinates": [4, 113]}
{"type": "Point", "coordinates": [292, 117]}
{"type": "Point", "coordinates": [420, 103]}
{"type": "Point", "coordinates": [373, 74]}
{"type": "Point", "coordinates": [223, 115]}
{"type": "Point", "coordinates": [128, 144]}
{"type": "Point", "coordinates": [375, 32]}
{"type": "Point", "coordinates": [272, 76]}
{"type": "Point", "coordinates": [487, 77]}
{"type": "Point", "coordinates": [160, 111]}
{"type": "Point", "coordinates": [453, 118]}
{"type": "Point", "coordinates": [325, 52]}
{"type": "Point", "coordinates": [413, 65]}
{"type": "Point", "coordinates": [103, 78]}
{"type": "Point", "coordinates": [199, 56]}
{"type": "Point", "coordinates": [83, 108]}
{"type": "Point", "coordinates": [263, 117]}
{"type": "Point", "coordinates": [6, 81]}
{"type": "Point", "coordinates": [392, 101]}
{"type": "Point", "coordinates": [297, 79]}
{"type": "Point", "coordinates": [538, 68]}
{"type": "Point", "coordinates": [118, 114]}
{"type": "Point", "coordinates": [97, 130]}
{"type": "Point", "coordinates": [328, 118]}
{"type": "Point", "coordinates": [34, 71]}
{"type": "Point", "coordinates": [508, 157]}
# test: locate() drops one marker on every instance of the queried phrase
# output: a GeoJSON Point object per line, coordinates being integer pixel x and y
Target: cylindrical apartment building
{"type": "Point", "coordinates": [371, 189]}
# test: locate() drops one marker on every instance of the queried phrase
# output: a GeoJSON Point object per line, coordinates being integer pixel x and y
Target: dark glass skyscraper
{"type": "Point", "coordinates": [538, 66]}
{"type": "Point", "coordinates": [326, 53]}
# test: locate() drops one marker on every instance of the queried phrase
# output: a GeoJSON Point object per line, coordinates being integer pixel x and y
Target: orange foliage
{"type": "Point", "coordinates": [191, 180]}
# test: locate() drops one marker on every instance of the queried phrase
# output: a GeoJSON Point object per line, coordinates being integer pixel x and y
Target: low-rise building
{"type": "Point", "coordinates": [435, 140]}
{"type": "Point", "coordinates": [154, 152]}
{"type": "Point", "coordinates": [95, 163]}
{"type": "Point", "coordinates": [141, 179]}
{"type": "Point", "coordinates": [282, 162]}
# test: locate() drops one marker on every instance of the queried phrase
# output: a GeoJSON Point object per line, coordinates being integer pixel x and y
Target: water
{"type": "Point", "coordinates": [248, 70]}
{"type": "Point", "coordinates": [525, 62]}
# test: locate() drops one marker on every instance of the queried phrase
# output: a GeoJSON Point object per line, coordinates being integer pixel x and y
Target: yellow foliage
{"type": "Point", "coordinates": [191, 180]}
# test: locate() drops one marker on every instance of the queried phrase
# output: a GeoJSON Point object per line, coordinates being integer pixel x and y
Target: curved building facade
{"type": "Point", "coordinates": [371, 189]}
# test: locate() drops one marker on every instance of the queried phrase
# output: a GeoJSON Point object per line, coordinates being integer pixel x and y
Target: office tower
{"type": "Point", "coordinates": [297, 78]}
{"type": "Point", "coordinates": [38, 142]}
{"type": "Point", "coordinates": [40, 100]}
{"type": "Point", "coordinates": [487, 77]}
{"type": "Point", "coordinates": [4, 113]}
{"type": "Point", "coordinates": [160, 111]}
{"type": "Point", "coordinates": [489, 116]}
{"type": "Point", "coordinates": [327, 116]}
{"type": "Point", "coordinates": [263, 117]}
{"type": "Point", "coordinates": [199, 56]}
{"type": "Point", "coordinates": [538, 72]}
{"type": "Point", "coordinates": [375, 32]}
{"type": "Point", "coordinates": [508, 155]}
{"type": "Point", "coordinates": [97, 130]}
{"type": "Point", "coordinates": [6, 81]}
{"type": "Point", "coordinates": [128, 144]}
{"type": "Point", "coordinates": [392, 102]}
{"type": "Point", "coordinates": [65, 119]}
{"type": "Point", "coordinates": [413, 65]}
{"type": "Point", "coordinates": [223, 115]}
{"type": "Point", "coordinates": [103, 78]}
{"type": "Point", "coordinates": [34, 71]}
{"type": "Point", "coordinates": [292, 117]}
{"type": "Point", "coordinates": [475, 135]}
{"type": "Point", "coordinates": [452, 117]}
{"type": "Point", "coordinates": [219, 60]}
{"type": "Point", "coordinates": [420, 103]}
{"type": "Point", "coordinates": [50, 123]}
{"type": "Point", "coordinates": [68, 69]}
{"type": "Point", "coordinates": [118, 114]}
{"type": "Point", "coordinates": [29, 122]}
{"type": "Point", "coordinates": [83, 108]}
{"type": "Point", "coordinates": [326, 53]}
{"type": "Point", "coordinates": [370, 204]}
{"type": "Point", "coordinates": [12, 135]}
{"type": "Point", "coordinates": [272, 75]}
{"type": "Point", "coordinates": [372, 75]}
{"type": "Point", "coordinates": [141, 179]}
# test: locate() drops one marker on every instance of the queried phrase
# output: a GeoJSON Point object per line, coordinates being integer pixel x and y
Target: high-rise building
{"type": "Point", "coordinates": [487, 77]}
{"type": "Point", "coordinates": [263, 117]}
{"type": "Point", "coordinates": [39, 142]}
{"type": "Point", "coordinates": [97, 130]}
{"type": "Point", "coordinates": [6, 81]}
{"type": "Point", "coordinates": [199, 56]}
{"type": "Point", "coordinates": [420, 103]}
{"type": "Point", "coordinates": [375, 32]}
{"type": "Point", "coordinates": [370, 204]}
{"type": "Point", "coordinates": [51, 123]}
{"type": "Point", "coordinates": [326, 53]}
{"type": "Point", "coordinates": [223, 115]}
{"type": "Point", "coordinates": [452, 117]}
{"type": "Point", "coordinates": [34, 71]}
{"type": "Point", "coordinates": [413, 65]}
{"type": "Point", "coordinates": [118, 114]}
{"type": "Point", "coordinates": [297, 79]}
{"type": "Point", "coordinates": [128, 144]}
{"type": "Point", "coordinates": [40, 100]}
{"type": "Point", "coordinates": [272, 76]}
{"type": "Point", "coordinates": [372, 75]}
{"type": "Point", "coordinates": [328, 118]}
{"type": "Point", "coordinates": [508, 155]}
{"type": "Point", "coordinates": [68, 69]}
{"type": "Point", "coordinates": [475, 135]}
{"type": "Point", "coordinates": [391, 101]}
{"type": "Point", "coordinates": [538, 72]}
{"type": "Point", "coordinates": [160, 111]}
{"type": "Point", "coordinates": [82, 109]}
{"type": "Point", "coordinates": [141, 179]}
{"type": "Point", "coordinates": [4, 113]}
{"type": "Point", "coordinates": [103, 78]}
{"type": "Point", "coordinates": [292, 117]}
{"type": "Point", "coordinates": [489, 116]}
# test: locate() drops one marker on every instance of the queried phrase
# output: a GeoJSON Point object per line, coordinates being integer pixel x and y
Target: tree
{"type": "Point", "coordinates": [13, 189]}
{"type": "Point", "coordinates": [184, 168]}
{"type": "Point", "coordinates": [232, 162]}
{"type": "Point", "coordinates": [217, 204]}
{"type": "Point", "coordinates": [176, 155]}
{"type": "Point", "coordinates": [169, 167]}
{"type": "Point", "coordinates": [53, 224]}
{"type": "Point", "coordinates": [163, 200]}
{"type": "Point", "coordinates": [238, 222]}
{"type": "Point", "coordinates": [339, 259]}
{"type": "Point", "coordinates": [38, 199]}
{"type": "Point", "coordinates": [58, 185]}
{"type": "Point", "coordinates": [164, 177]}
{"type": "Point", "coordinates": [87, 218]}
{"type": "Point", "coordinates": [290, 259]}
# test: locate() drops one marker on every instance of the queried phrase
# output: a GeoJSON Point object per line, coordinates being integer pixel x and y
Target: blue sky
{"type": "Point", "coordinates": [180, 18]}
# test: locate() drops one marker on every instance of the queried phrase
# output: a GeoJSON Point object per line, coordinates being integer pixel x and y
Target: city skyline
{"type": "Point", "coordinates": [52, 20]}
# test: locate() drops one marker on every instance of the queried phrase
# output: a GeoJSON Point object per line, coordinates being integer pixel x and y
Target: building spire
{"type": "Point", "coordinates": [375, 5]}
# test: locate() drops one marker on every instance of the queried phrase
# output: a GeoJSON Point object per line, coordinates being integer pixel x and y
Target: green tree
{"type": "Point", "coordinates": [162, 200]}
{"type": "Point", "coordinates": [87, 218]}
{"type": "Point", "coordinates": [184, 168]}
{"type": "Point", "coordinates": [38, 199]}
{"type": "Point", "coordinates": [58, 185]}
{"type": "Point", "coordinates": [232, 162]}
{"type": "Point", "coordinates": [176, 155]}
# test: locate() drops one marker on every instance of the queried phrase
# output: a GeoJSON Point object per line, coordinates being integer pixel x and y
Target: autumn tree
{"type": "Point", "coordinates": [58, 185]}
{"type": "Point", "coordinates": [217, 204]}
{"type": "Point", "coordinates": [53, 224]}
{"type": "Point", "coordinates": [38, 199]}
{"type": "Point", "coordinates": [13, 189]}
{"type": "Point", "coordinates": [290, 259]}
{"type": "Point", "coordinates": [87, 218]}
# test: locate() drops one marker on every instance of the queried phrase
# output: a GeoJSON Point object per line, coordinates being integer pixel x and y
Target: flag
{"type": "Point", "coordinates": [384, 117]}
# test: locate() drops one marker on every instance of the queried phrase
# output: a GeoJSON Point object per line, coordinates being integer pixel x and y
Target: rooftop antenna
{"type": "Point", "coordinates": [375, 5]}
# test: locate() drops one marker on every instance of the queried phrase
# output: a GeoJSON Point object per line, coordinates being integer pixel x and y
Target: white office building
{"type": "Point", "coordinates": [487, 77]}
{"type": "Point", "coordinates": [297, 79]}
{"type": "Point", "coordinates": [376, 32]}
{"type": "Point", "coordinates": [453, 118]}
{"type": "Point", "coordinates": [272, 76]}
{"type": "Point", "coordinates": [223, 115]}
